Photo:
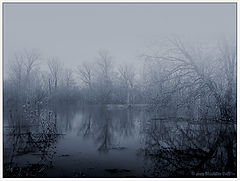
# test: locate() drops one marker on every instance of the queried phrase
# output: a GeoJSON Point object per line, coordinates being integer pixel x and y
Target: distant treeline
{"type": "Point", "coordinates": [197, 79]}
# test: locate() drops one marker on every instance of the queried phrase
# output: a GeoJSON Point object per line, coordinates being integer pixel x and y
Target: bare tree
{"type": "Point", "coordinates": [85, 73]}
{"type": "Point", "coordinates": [55, 68]}
{"type": "Point", "coordinates": [190, 73]}
{"type": "Point", "coordinates": [105, 67]}
{"type": "Point", "coordinates": [68, 78]}
{"type": "Point", "coordinates": [127, 74]}
{"type": "Point", "coordinates": [16, 73]}
{"type": "Point", "coordinates": [105, 64]}
{"type": "Point", "coordinates": [23, 71]}
{"type": "Point", "coordinates": [31, 61]}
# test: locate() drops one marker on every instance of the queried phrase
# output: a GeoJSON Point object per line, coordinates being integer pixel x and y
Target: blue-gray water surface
{"type": "Point", "coordinates": [93, 141]}
{"type": "Point", "coordinates": [112, 141]}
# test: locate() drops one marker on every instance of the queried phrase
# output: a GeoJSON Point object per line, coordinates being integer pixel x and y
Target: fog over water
{"type": "Point", "coordinates": [119, 90]}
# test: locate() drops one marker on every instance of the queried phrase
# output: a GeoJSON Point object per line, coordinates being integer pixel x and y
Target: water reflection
{"type": "Point", "coordinates": [105, 134]}
{"type": "Point", "coordinates": [35, 139]}
{"type": "Point", "coordinates": [105, 126]}
{"type": "Point", "coordinates": [114, 141]}
{"type": "Point", "coordinates": [187, 149]}
{"type": "Point", "coordinates": [86, 129]}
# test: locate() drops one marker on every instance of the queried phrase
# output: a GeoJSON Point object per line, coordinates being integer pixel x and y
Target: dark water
{"type": "Point", "coordinates": [99, 140]}
{"type": "Point", "coordinates": [112, 141]}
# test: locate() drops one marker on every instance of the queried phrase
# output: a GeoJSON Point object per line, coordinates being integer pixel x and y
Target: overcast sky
{"type": "Point", "coordinates": [76, 32]}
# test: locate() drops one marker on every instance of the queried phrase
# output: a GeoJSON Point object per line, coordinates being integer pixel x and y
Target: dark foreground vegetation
{"type": "Point", "coordinates": [190, 94]}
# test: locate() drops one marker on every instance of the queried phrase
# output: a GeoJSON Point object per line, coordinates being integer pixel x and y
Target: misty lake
{"type": "Point", "coordinates": [95, 141]}
{"type": "Point", "coordinates": [98, 141]}
{"type": "Point", "coordinates": [119, 90]}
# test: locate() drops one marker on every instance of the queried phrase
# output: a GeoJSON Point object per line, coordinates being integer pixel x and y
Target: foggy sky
{"type": "Point", "coordinates": [76, 32]}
